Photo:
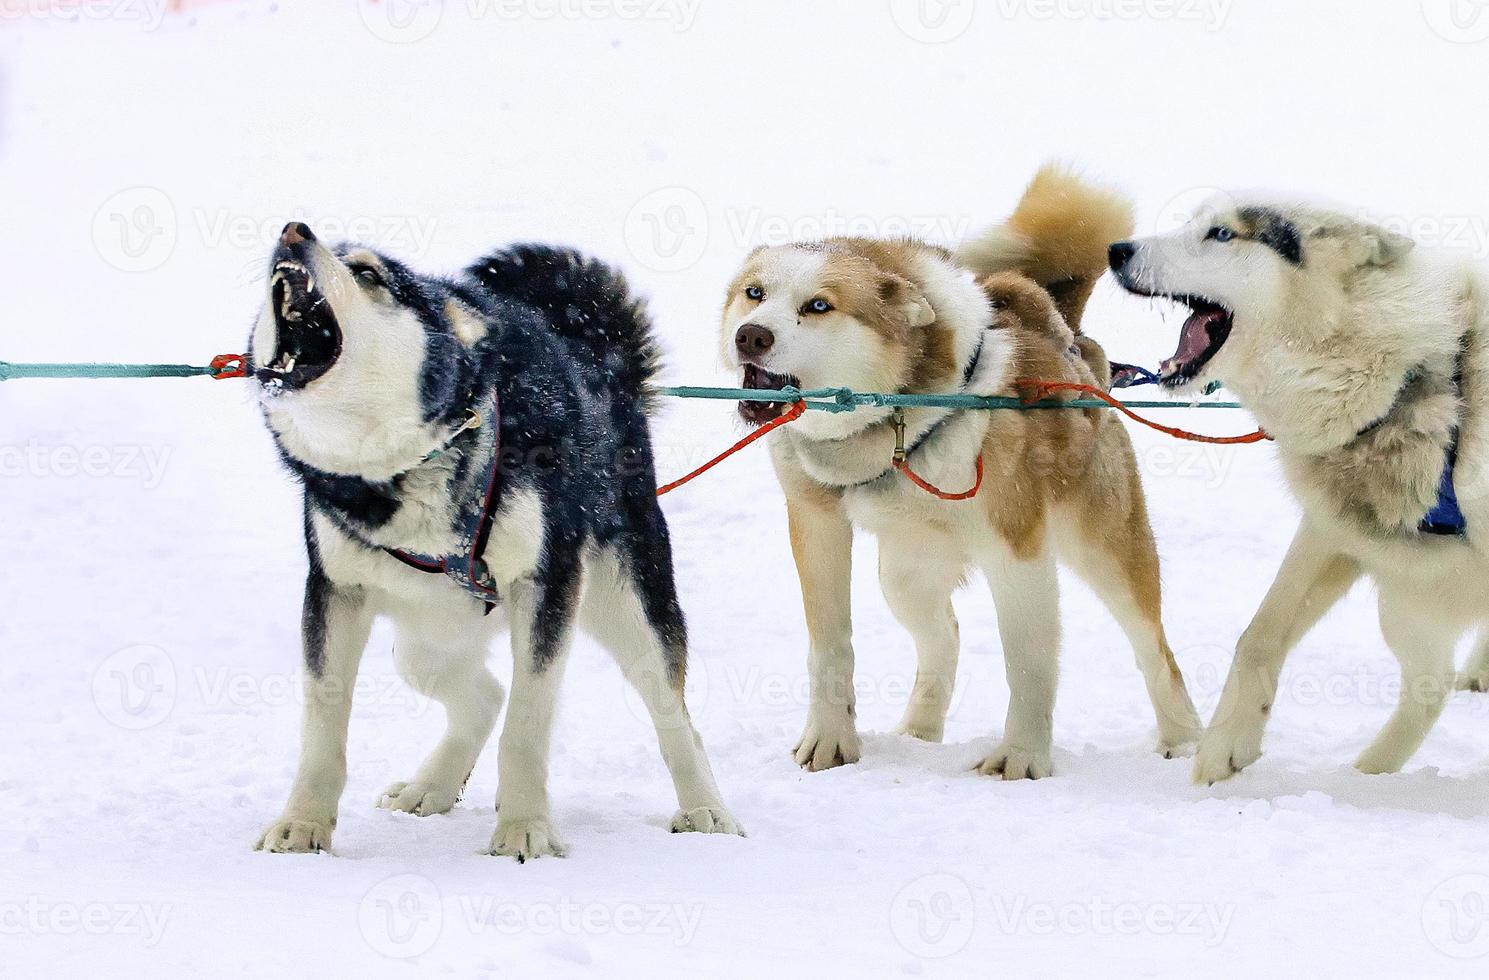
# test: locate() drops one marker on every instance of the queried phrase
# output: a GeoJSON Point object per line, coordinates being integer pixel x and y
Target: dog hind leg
{"type": "Point", "coordinates": [1475, 676]}
{"type": "Point", "coordinates": [1424, 644]}
{"type": "Point", "coordinates": [472, 698]}
{"type": "Point", "coordinates": [918, 575]}
{"type": "Point", "coordinates": [654, 662]}
{"type": "Point", "coordinates": [1124, 574]}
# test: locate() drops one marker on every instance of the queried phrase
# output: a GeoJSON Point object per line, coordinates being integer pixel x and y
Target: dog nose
{"type": "Point", "coordinates": [1120, 254]}
{"type": "Point", "coordinates": [753, 339]}
{"type": "Point", "coordinates": [296, 232]}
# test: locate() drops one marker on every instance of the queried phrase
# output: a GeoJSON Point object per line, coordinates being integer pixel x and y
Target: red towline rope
{"type": "Point", "coordinates": [1043, 389]}
{"type": "Point", "coordinates": [795, 412]}
{"type": "Point", "coordinates": [791, 415]}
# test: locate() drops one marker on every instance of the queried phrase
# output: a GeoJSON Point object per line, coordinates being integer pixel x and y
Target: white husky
{"type": "Point", "coordinates": [1366, 359]}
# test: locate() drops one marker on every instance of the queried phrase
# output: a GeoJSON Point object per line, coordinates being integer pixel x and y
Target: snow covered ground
{"type": "Point", "coordinates": [152, 566]}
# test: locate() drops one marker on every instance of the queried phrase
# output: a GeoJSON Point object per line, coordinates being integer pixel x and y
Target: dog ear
{"type": "Point", "coordinates": [904, 297]}
{"type": "Point", "coordinates": [1370, 244]}
{"type": "Point", "coordinates": [468, 326]}
{"type": "Point", "coordinates": [1385, 247]}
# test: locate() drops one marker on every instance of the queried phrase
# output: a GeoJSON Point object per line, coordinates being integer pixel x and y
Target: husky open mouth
{"type": "Point", "coordinates": [759, 379]}
{"type": "Point", "coordinates": [307, 338]}
{"type": "Point", "coordinates": [1204, 333]}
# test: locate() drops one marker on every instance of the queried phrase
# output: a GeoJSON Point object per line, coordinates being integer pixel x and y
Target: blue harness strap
{"type": "Point", "coordinates": [1446, 517]}
{"type": "Point", "coordinates": [1131, 376]}
{"type": "Point", "coordinates": [464, 566]}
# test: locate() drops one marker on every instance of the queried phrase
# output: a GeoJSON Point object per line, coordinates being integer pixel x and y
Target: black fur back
{"type": "Point", "coordinates": [586, 302]}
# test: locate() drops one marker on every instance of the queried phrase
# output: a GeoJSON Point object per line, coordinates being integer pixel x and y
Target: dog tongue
{"type": "Point", "coordinates": [1194, 340]}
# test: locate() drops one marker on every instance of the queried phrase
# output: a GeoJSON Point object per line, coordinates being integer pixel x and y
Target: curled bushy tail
{"type": "Point", "coordinates": [586, 302]}
{"type": "Point", "coordinates": [1057, 236]}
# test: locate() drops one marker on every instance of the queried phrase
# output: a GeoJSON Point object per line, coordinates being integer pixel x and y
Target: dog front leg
{"type": "Point", "coordinates": [822, 544]}
{"type": "Point", "coordinates": [542, 628]}
{"type": "Point", "coordinates": [335, 626]}
{"type": "Point", "coordinates": [1312, 580]}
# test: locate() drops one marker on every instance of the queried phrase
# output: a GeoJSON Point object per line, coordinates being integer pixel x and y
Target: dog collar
{"type": "Point", "coordinates": [968, 373]}
{"type": "Point", "coordinates": [464, 565]}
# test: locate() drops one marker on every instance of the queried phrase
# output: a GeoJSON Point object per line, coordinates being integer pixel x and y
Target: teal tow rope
{"type": "Point", "coordinates": [816, 399]}
{"type": "Point", "coordinates": [222, 367]}
{"type": "Point", "coordinates": [846, 400]}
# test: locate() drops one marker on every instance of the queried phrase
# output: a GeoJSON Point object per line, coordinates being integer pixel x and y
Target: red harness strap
{"type": "Point", "coordinates": [904, 467]}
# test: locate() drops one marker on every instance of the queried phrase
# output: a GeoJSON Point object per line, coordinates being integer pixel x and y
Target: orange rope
{"type": "Point", "coordinates": [795, 412]}
{"type": "Point", "coordinates": [1045, 388]}
{"type": "Point", "coordinates": [933, 490]}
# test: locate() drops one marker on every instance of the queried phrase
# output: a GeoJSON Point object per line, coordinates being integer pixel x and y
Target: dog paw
{"type": "Point", "coordinates": [1182, 748]}
{"type": "Point", "coordinates": [923, 733]}
{"type": "Point", "coordinates": [706, 820]}
{"type": "Point", "coordinates": [1382, 760]}
{"type": "Point", "coordinates": [827, 746]}
{"type": "Point", "coordinates": [1475, 682]}
{"type": "Point", "coordinates": [917, 725]}
{"type": "Point", "coordinates": [296, 835]}
{"type": "Point", "coordinates": [1222, 753]}
{"type": "Point", "coordinates": [420, 799]}
{"type": "Point", "coordinates": [525, 840]}
{"type": "Point", "coordinates": [1016, 762]}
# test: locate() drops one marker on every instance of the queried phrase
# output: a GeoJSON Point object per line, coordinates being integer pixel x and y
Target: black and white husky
{"type": "Point", "coordinates": [475, 456]}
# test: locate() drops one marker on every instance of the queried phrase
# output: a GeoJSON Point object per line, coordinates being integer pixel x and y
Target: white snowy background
{"type": "Point", "coordinates": [150, 557]}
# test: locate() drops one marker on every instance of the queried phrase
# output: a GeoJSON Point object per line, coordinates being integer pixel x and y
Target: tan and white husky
{"type": "Point", "coordinates": [904, 316]}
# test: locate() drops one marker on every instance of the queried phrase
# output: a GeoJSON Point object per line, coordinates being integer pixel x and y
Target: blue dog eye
{"type": "Point", "coordinates": [1220, 233]}
{"type": "Point", "coordinates": [819, 306]}
{"type": "Point", "coordinates": [755, 293]}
